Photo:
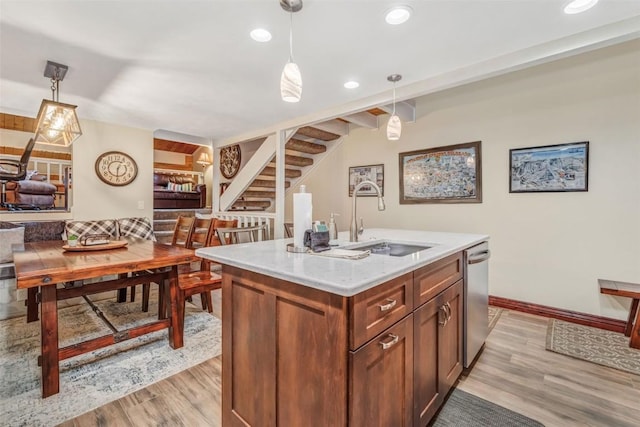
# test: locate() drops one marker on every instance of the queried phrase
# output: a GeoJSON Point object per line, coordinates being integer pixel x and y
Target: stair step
{"type": "Point", "coordinates": [297, 160]}
{"type": "Point", "coordinates": [159, 214]}
{"type": "Point", "coordinates": [164, 225]}
{"type": "Point", "coordinates": [289, 173]}
{"type": "Point", "coordinates": [163, 236]}
{"type": "Point", "coordinates": [267, 183]}
{"type": "Point", "coordinates": [251, 204]}
{"type": "Point", "coordinates": [316, 133]}
{"type": "Point", "coordinates": [305, 147]}
{"type": "Point", "coordinates": [265, 194]}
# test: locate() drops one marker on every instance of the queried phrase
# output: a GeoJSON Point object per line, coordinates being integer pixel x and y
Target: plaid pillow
{"type": "Point", "coordinates": [104, 226]}
{"type": "Point", "coordinates": [136, 227]}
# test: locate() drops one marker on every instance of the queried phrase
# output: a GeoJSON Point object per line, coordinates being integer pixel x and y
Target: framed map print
{"type": "Point", "coordinates": [450, 174]}
{"type": "Point", "coordinates": [550, 168]}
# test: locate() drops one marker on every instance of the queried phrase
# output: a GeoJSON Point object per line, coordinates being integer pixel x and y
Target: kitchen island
{"type": "Point", "coordinates": [309, 340]}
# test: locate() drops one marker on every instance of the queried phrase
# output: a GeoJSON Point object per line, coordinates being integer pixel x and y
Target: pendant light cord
{"type": "Point", "coordinates": [291, 35]}
{"type": "Point", "coordinates": [394, 99]}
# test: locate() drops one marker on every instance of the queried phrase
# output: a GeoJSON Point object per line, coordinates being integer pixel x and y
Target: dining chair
{"type": "Point", "coordinates": [200, 237]}
{"type": "Point", "coordinates": [288, 229]}
{"type": "Point", "coordinates": [181, 235]}
{"type": "Point", "coordinates": [252, 233]}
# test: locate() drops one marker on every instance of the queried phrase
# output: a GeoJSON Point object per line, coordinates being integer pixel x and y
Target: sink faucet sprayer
{"type": "Point", "coordinates": [353, 229]}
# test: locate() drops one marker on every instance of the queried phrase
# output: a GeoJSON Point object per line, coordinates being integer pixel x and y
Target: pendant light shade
{"type": "Point", "coordinates": [291, 83]}
{"type": "Point", "coordinates": [57, 123]}
{"type": "Point", "coordinates": [394, 128]}
{"type": "Point", "coordinates": [291, 79]}
{"type": "Point", "coordinates": [394, 125]}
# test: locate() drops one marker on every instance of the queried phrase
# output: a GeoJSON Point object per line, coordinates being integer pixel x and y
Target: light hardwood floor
{"type": "Point", "coordinates": [514, 371]}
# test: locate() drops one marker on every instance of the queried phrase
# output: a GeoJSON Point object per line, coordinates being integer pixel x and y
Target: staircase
{"type": "Point", "coordinates": [164, 221]}
{"type": "Point", "coordinates": [301, 153]}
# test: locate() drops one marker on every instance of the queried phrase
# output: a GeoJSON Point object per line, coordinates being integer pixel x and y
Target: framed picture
{"type": "Point", "coordinates": [451, 174]}
{"type": "Point", "coordinates": [550, 168]}
{"type": "Point", "coordinates": [374, 173]}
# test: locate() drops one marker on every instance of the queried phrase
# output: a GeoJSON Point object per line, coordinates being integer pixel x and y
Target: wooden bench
{"type": "Point", "coordinates": [629, 290]}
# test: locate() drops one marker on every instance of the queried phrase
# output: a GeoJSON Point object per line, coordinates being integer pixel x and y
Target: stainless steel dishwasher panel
{"type": "Point", "coordinates": [476, 300]}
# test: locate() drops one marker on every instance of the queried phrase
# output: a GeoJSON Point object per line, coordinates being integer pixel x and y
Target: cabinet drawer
{"type": "Point", "coordinates": [432, 279]}
{"type": "Point", "coordinates": [376, 309]}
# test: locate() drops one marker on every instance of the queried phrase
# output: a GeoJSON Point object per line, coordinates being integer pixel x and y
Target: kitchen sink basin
{"type": "Point", "coordinates": [391, 248]}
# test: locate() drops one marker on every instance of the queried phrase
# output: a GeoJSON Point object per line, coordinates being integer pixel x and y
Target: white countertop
{"type": "Point", "coordinates": [341, 276]}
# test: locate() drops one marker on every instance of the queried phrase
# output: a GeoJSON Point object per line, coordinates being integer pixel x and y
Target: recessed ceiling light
{"type": "Point", "coordinates": [578, 6]}
{"type": "Point", "coordinates": [260, 35]}
{"type": "Point", "coordinates": [398, 15]}
{"type": "Point", "coordinates": [351, 84]}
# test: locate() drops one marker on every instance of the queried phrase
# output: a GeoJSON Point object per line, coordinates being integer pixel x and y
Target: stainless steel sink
{"type": "Point", "coordinates": [390, 248]}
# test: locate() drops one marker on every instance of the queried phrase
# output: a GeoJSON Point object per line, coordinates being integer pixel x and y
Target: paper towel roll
{"type": "Point", "coordinates": [302, 213]}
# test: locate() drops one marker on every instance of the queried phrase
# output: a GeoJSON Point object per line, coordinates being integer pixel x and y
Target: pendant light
{"type": "Point", "coordinates": [291, 79]}
{"type": "Point", "coordinates": [57, 123]}
{"type": "Point", "coordinates": [394, 126]}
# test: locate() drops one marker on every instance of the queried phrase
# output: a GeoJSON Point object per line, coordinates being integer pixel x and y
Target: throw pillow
{"type": "Point", "coordinates": [140, 228]}
{"type": "Point", "coordinates": [80, 228]}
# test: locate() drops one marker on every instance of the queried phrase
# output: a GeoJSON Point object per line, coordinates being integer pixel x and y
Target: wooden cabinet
{"type": "Point", "coordinates": [437, 358]}
{"type": "Point", "coordinates": [284, 353]}
{"type": "Point", "coordinates": [381, 382]}
{"type": "Point", "coordinates": [294, 355]}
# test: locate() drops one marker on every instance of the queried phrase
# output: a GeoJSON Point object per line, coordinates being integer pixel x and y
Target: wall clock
{"type": "Point", "coordinates": [116, 168]}
{"type": "Point", "coordinates": [230, 161]}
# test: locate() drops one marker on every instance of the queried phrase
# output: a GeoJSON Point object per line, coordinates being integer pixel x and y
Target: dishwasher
{"type": "Point", "coordinates": [476, 300]}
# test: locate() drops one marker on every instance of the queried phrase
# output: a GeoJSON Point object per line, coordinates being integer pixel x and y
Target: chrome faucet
{"type": "Point", "coordinates": [353, 229]}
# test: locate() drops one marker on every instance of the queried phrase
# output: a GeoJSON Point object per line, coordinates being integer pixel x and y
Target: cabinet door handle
{"type": "Point", "coordinates": [387, 344]}
{"type": "Point", "coordinates": [389, 305]}
{"type": "Point", "coordinates": [447, 307]}
{"type": "Point", "coordinates": [442, 316]}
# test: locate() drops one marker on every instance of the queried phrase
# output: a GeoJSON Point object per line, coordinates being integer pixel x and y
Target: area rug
{"type": "Point", "coordinates": [593, 345]}
{"type": "Point", "coordinates": [94, 379]}
{"type": "Point", "coordinates": [466, 410]}
{"type": "Point", "coordinates": [494, 315]}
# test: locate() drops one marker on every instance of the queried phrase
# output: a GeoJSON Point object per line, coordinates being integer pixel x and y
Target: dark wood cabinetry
{"type": "Point", "coordinates": [437, 351]}
{"type": "Point", "coordinates": [381, 381]}
{"type": "Point", "coordinates": [293, 355]}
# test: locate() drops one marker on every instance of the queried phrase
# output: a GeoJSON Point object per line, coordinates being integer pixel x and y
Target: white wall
{"type": "Point", "coordinates": [548, 248]}
{"type": "Point", "coordinates": [92, 198]}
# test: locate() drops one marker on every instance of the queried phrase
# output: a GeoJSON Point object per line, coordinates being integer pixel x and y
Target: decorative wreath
{"type": "Point", "coordinates": [230, 161]}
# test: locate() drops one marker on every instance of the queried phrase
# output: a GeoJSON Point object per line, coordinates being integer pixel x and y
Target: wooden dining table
{"type": "Point", "coordinates": [51, 274]}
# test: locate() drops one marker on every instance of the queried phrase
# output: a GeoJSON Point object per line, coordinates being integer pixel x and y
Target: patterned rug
{"type": "Point", "coordinates": [466, 410]}
{"type": "Point", "coordinates": [593, 345]}
{"type": "Point", "coordinates": [494, 315]}
{"type": "Point", "coordinates": [94, 379]}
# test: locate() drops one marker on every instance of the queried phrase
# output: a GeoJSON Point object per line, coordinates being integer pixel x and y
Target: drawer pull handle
{"type": "Point", "coordinates": [389, 305]}
{"type": "Point", "coordinates": [394, 340]}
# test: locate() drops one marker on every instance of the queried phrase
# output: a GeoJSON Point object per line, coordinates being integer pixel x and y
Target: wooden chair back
{"type": "Point", "coordinates": [242, 234]}
{"type": "Point", "coordinates": [221, 223]}
{"type": "Point", "coordinates": [288, 229]}
{"type": "Point", "coordinates": [182, 231]}
{"type": "Point", "coordinates": [201, 233]}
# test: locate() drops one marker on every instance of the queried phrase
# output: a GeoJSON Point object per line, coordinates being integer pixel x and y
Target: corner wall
{"type": "Point", "coordinates": [547, 248]}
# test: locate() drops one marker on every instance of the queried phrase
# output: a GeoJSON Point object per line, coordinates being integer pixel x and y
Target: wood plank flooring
{"type": "Point", "coordinates": [514, 371]}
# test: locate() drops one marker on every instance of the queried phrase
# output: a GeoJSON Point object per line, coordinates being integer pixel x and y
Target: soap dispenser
{"type": "Point", "coordinates": [333, 228]}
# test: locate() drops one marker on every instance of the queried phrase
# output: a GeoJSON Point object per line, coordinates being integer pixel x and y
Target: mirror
{"type": "Point", "coordinates": [49, 172]}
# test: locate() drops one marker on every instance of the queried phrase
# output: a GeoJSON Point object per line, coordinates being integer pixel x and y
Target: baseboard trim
{"type": "Point", "coordinates": [557, 313]}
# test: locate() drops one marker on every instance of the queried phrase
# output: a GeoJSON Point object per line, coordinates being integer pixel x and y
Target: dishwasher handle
{"type": "Point", "coordinates": [478, 257]}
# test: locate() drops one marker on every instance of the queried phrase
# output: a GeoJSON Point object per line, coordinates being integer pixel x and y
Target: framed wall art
{"type": "Point", "coordinates": [450, 174]}
{"type": "Point", "coordinates": [549, 168]}
{"type": "Point", "coordinates": [374, 173]}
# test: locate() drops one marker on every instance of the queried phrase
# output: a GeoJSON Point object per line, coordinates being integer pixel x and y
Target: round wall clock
{"type": "Point", "coordinates": [116, 168]}
{"type": "Point", "coordinates": [230, 161]}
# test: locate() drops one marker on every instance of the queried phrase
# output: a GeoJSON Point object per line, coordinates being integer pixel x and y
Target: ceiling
{"type": "Point", "coordinates": [190, 67]}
